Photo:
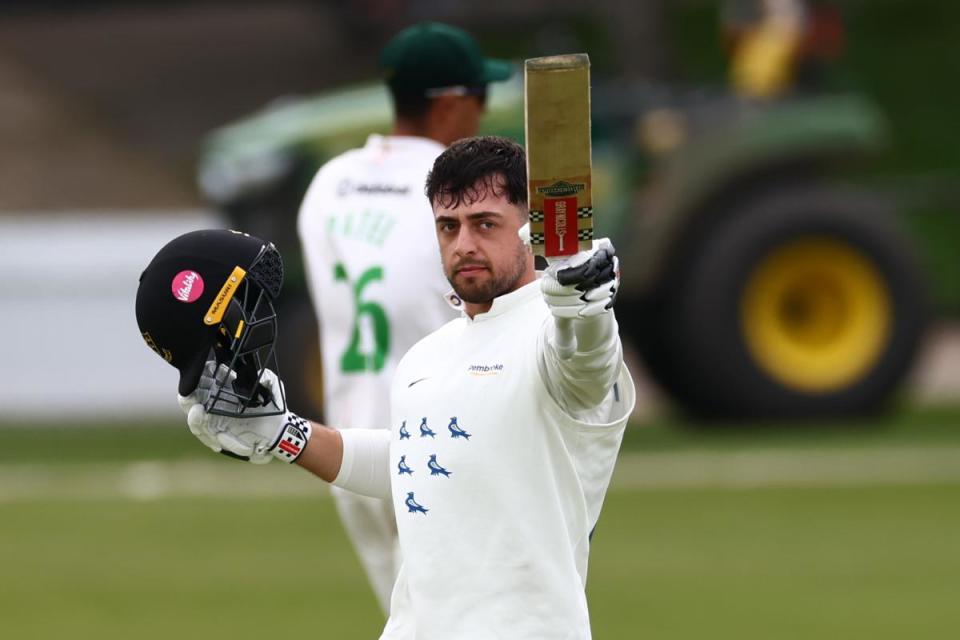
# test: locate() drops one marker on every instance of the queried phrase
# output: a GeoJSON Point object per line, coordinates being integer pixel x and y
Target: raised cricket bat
{"type": "Point", "coordinates": [559, 193]}
{"type": "Point", "coordinates": [557, 121]}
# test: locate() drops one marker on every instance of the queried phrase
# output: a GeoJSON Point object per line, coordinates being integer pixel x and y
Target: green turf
{"type": "Point", "coordinates": [929, 425]}
{"type": "Point", "coordinates": [799, 563]}
{"type": "Point", "coordinates": [154, 441]}
{"type": "Point", "coordinates": [99, 442]}
{"type": "Point", "coordinates": [179, 569]}
{"type": "Point", "coordinates": [875, 561]}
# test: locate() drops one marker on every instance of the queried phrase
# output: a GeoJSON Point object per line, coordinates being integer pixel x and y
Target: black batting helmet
{"type": "Point", "coordinates": [208, 296]}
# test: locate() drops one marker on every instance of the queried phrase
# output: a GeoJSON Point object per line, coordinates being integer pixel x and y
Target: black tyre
{"type": "Point", "coordinates": [805, 302]}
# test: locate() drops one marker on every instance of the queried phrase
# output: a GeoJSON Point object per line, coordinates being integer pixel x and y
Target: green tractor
{"type": "Point", "coordinates": [756, 284]}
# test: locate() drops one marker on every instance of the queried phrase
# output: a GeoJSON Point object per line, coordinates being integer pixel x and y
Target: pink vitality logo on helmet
{"type": "Point", "coordinates": [187, 286]}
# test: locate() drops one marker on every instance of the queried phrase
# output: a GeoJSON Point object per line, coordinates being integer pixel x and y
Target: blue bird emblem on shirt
{"type": "Point", "coordinates": [402, 467]}
{"type": "Point", "coordinates": [456, 431]}
{"type": "Point", "coordinates": [413, 506]}
{"type": "Point", "coordinates": [436, 469]}
{"type": "Point", "coordinates": [425, 430]}
{"type": "Point", "coordinates": [404, 434]}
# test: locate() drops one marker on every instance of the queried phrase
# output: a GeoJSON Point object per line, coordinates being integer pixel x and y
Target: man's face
{"type": "Point", "coordinates": [483, 257]}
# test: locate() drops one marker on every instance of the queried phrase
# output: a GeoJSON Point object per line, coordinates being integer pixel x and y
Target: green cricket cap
{"type": "Point", "coordinates": [432, 55]}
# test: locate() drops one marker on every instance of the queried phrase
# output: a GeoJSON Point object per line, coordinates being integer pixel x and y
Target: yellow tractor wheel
{"type": "Point", "coordinates": [802, 301]}
{"type": "Point", "coordinates": [816, 314]}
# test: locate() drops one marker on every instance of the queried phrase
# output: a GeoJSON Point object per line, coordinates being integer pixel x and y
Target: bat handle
{"type": "Point", "coordinates": [566, 339]}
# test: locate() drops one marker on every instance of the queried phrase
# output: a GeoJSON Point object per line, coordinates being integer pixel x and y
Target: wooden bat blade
{"type": "Point", "coordinates": [557, 121]}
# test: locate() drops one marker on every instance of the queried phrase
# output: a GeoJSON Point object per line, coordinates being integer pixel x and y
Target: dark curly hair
{"type": "Point", "coordinates": [469, 167]}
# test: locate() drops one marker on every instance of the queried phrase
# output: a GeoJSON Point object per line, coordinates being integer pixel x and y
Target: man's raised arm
{"type": "Point", "coordinates": [580, 297]}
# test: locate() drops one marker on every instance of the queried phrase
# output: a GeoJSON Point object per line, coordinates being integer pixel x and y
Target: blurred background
{"type": "Point", "coordinates": [780, 178]}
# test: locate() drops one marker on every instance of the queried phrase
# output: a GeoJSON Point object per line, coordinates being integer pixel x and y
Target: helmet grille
{"type": "Point", "coordinates": [267, 271]}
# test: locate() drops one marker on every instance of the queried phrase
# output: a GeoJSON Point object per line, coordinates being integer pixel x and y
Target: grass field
{"type": "Point", "coordinates": [819, 531]}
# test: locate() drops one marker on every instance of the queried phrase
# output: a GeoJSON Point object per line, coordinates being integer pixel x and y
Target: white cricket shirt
{"type": "Point", "coordinates": [374, 271]}
{"type": "Point", "coordinates": [496, 488]}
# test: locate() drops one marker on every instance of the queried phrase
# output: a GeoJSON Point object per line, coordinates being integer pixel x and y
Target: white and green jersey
{"type": "Point", "coordinates": [496, 486]}
{"type": "Point", "coordinates": [374, 271]}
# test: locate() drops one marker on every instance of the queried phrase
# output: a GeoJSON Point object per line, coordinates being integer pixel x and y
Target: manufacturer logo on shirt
{"type": "Point", "coordinates": [484, 369]}
{"type": "Point", "coordinates": [372, 189]}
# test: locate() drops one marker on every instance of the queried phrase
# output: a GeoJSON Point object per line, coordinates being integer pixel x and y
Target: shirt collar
{"type": "Point", "coordinates": [401, 143]}
{"type": "Point", "coordinates": [502, 304]}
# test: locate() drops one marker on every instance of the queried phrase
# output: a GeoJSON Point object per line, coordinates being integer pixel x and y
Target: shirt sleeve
{"type": "Point", "coordinates": [582, 383]}
{"type": "Point", "coordinates": [366, 462]}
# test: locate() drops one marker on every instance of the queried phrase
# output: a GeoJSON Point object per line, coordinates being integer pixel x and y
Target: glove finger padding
{"type": "Point", "coordinates": [216, 390]}
{"type": "Point", "coordinates": [603, 296]}
{"type": "Point", "coordinates": [186, 402]}
{"type": "Point", "coordinates": [598, 268]}
{"type": "Point", "coordinates": [254, 436]}
{"type": "Point", "coordinates": [586, 290]}
{"type": "Point", "coordinates": [564, 305]}
{"type": "Point", "coordinates": [198, 420]}
{"type": "Point", "coordinates": [202, 391]}
{"type": "Point", "coordinates": [599, 300]}
{"type": "Point", "coordinates": [275, 386]}
{"type": "Point", "coordinates": [244, 446]}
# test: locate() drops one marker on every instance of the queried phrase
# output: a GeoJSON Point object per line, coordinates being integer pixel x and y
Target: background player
{"type": "Point", "coordinates": [372, 263]}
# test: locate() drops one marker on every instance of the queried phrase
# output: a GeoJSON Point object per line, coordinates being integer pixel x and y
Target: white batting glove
{"type": "Point", "coordinates": [257, 438]}
{"type": "Point", "coordinates": [585, 285]}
